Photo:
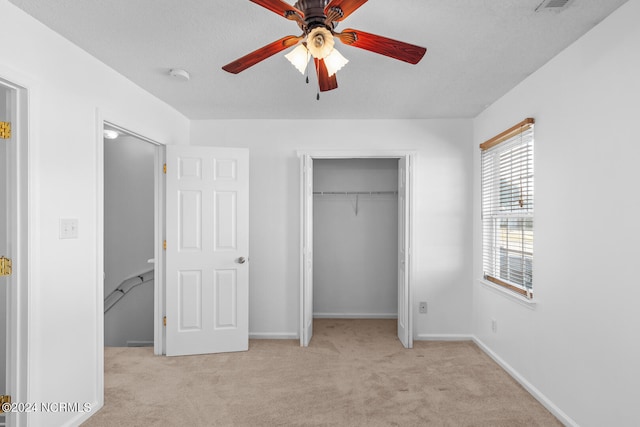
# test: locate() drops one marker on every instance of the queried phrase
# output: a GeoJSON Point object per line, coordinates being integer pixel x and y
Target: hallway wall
{"type": "Point", "coordinates": [69, 93]}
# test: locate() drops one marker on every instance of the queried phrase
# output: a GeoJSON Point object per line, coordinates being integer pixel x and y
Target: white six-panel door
{"type": "Point", "coordinates": [207, 250]}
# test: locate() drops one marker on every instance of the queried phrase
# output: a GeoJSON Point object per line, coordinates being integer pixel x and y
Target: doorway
{"type": "Point", "coordinates": [308, 260]}
{"type": "Point", "coordinates": [129, 166]}
{"type": "Point", "coordinates": [130, 243]}
{"type": "Point", "coordinates": [4, 246]}
{"type": "Point", "coordinates": [14, 218]}
{"type": "Point", "coordinates": [186, 240]}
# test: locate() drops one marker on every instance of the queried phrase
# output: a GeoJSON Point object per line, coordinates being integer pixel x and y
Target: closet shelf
{"type": "Point", "coordinates": [347, 193]}
{"type": "Point", "coordinates": [355, 193]}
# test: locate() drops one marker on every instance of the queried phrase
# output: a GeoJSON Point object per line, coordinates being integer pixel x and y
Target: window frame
{"type": "Point", "coordinates": [492, 194]}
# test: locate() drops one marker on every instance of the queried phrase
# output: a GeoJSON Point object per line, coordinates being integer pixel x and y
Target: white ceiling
{"type": "Point", "coordinates": [477, 51]}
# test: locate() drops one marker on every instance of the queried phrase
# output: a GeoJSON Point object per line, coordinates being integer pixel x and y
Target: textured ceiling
{"type": "Point", "coordinates": [477, 51]}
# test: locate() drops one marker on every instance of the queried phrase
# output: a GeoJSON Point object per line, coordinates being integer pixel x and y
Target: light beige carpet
{"type": "Point", "coordinates": [355, 373]}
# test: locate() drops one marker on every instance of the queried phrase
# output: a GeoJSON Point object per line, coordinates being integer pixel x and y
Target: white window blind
{"type": "Point", "coordinates": [507, 208]}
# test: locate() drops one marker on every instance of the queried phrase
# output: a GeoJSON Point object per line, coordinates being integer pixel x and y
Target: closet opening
{"type": "Point", "coordinates": [355, 246]}
{"type": "Point", "coordinates": [355, 242]}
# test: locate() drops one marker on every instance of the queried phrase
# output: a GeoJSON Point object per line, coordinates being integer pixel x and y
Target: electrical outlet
{"type": "Point", "coordinates": [494, 326]}
{"type": "Point", "coordinates": [68, 228]}
{"type": "Point", "coordinates": [423, 307]}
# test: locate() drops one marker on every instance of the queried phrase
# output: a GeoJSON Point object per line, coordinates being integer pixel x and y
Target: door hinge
{"type": "Point", "coordinates": [164, 320]}
{"type": "Point", "coordinates": [5, 266]}
{"type": "Point", "coordinates": [164, 245]}
{"type": "Point", "coordinates": [4, 399]}
{"type": "Point", "coordinates": [5, 130]}
{"type": "Point", "coordinates": [164, 168]}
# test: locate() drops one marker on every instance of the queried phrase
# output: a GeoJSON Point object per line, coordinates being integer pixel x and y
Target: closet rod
{"type": "Point", "coordinates": [323, 193]}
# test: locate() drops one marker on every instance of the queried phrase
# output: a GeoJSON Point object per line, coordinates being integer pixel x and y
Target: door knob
{"type": "Point", "coordinates": [241, 260]}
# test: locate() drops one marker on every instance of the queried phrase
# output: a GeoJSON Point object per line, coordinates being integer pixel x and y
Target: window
{"type": "Point", "coordinates": [507, 208]}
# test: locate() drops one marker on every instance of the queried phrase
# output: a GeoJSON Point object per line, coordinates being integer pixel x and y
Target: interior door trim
{"type": "Point", "coordinates": [21, 222]}
{"type": "Point", "coordinates": [410, 156]}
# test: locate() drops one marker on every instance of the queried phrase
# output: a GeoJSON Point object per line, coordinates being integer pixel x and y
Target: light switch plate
{"type": "Point", "coordinates": [422, 308]}
{"type": "Point", "coordinates": [68, 228]}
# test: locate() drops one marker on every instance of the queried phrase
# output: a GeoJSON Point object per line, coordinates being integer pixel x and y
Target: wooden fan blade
{"type": "Point", "coordinates": [384, 46]}
{"type": "Point", "coordinates": [347, 7]}
{"type": "Point", "coordinates": [326, 83]}
{"type": "Point", "coordinates": [261, 54]}
{"type": "Point", "coordinates": [279, 7]}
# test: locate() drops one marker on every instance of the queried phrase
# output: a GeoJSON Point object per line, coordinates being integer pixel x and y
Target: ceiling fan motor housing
{"type": "Point", "coordinates": [314, 15]}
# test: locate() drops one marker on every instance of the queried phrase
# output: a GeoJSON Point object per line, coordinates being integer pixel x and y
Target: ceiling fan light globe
{"type": "Point", "coordinates": [299, 57]}
{"type": "Point", "coordinates": [320, 42]}
{"type": "Point", "coordinates": [334, 62]}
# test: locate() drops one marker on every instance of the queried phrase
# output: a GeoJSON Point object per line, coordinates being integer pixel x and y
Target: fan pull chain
{"type": "Point", "coordinates": [318, 74]}
{"type": "Point", "coordinates": [306, 69]}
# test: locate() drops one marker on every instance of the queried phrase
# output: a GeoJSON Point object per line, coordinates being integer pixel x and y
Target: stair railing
{"type": "Point", "coordinates": [125, 287]}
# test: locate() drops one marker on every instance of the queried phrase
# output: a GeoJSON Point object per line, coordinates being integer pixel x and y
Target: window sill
{"type": "Point", "coordinates": [522, 300]}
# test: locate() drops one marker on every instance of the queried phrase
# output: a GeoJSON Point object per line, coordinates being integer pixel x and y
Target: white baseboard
{"type": "Point", "coordinates": [139, 343]}
{"type": "Point", "coordinates": [355, 315]}
{"type": "Point", "coordinates": [273, 336]}
{"type": "Point", "coordinates": [443, 337]}
{"type": "Point", "coordinates": [537, 394]}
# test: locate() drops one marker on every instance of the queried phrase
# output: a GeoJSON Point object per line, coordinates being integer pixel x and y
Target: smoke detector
{"type": "Point", "coordinates": [179, 74]}
{"type": "Point", "coordinates": [553, 5]}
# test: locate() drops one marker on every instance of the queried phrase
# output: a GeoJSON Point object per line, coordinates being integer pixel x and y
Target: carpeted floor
{"type": "Point", "coordinates": [355, 373]}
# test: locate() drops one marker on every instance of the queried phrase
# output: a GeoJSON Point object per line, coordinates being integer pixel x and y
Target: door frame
{"type": "Point", "coordinates": [410, 157]}
{"type": "Point", "coordinates": [158, 227]}
{"type": "Point", "coordinates": [117, 122]}
{"type": "Point", "coordinates": [19, 218]}
{"type": "Point", "coordinates": [158, 254]}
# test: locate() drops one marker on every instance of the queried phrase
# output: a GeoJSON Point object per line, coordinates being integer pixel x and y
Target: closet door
{"type": "Point", "coordinates": [306, 291]}
{"type": "Point", "coordinates": [404, 315]}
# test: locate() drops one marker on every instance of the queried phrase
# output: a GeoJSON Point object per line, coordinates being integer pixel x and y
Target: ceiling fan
{"type": "Point", "coordinates": [318, 20]}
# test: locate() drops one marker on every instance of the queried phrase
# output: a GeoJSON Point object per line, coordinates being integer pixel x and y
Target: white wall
{"type": "Point", "coordinates": [128, 237]}
{"type": "Point", "coordinates": [579, 346]}
{"type": "Point", "coordinates": [443, 225]}
{"type": "Point", "coordinates": [355, 239]}
{"type": "Point", "coordinates": [68, 91]}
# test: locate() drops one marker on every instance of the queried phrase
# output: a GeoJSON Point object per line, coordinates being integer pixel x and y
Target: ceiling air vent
{"type": "Point", "coordinates": [556, 5]}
